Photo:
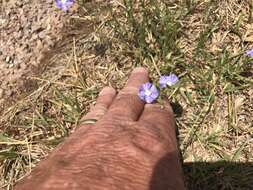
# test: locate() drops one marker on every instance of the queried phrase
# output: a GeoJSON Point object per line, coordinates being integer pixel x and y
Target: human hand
{"type": "Point", "coordinates": [131, 146]}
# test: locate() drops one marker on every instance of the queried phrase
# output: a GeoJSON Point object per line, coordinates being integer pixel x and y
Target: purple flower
{"type": "Point", "coordinates": [148, 92]}
{"type": "Point", "coordinates": [64, 4]}
{"type": "Point", "coordinates": [249, 53]}
{"type": "Point", "coordinates": [168, 80]}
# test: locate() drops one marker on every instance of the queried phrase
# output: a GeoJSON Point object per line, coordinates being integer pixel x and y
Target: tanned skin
{"type": "Point", "coordinates": [132, 146]}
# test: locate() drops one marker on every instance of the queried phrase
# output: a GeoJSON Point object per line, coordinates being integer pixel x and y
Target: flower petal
{"type": "Point", "coordinates": [168, 80]}
{"type": "Point", "coordinates": [147, 85]}
{"type": "Point", "coordinates": [249, 53]}
{"type": "Point", "coordinates": [163, 81]}
{"type": "Point", "coordinates": [141, 94]}
{"type": "Point", "coordinates": [64, 4]}
{"type": "Point", "coordinates": [148, 92]}
{"type": "Point", "coordinates": [172, 79]}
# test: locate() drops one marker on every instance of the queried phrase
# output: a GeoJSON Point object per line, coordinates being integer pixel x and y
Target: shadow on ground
{"type": "Point", "coordinates": [220, 175]}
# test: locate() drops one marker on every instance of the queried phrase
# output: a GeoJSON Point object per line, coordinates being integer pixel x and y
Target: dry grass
{"type": "Point", "coordinates": [202, 41]}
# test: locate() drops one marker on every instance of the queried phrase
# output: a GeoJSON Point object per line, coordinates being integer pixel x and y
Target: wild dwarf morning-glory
{"type": "Point", "coordinates": [64, 4]}
{"type": "Point", "coordinates": [249, 53]}
{"type": "Point", "coordinates": [168, 80]}
{"type": "Point", "coordinates": [148, 92]}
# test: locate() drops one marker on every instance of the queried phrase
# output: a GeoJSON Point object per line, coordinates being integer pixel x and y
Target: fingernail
{"type": "Point", "coordinates": [107, 90]}
{"type": "Point", "coordinates": [140, 70]}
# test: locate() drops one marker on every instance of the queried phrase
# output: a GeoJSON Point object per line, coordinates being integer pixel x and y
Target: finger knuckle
{"type": "Point", "coordinates": [150, 139]}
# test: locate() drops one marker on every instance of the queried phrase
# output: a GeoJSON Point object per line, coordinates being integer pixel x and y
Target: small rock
{"type": "Point", "coordinates": [10, 66]}
{"type": "Point", "coordinates": [39, 45]}
{"type": "Point", "coordinates": [36, 27]}
{"type": "Point", "coordinates": [42, 34]}
{"type": "Point", "coordinates": [1, 93]}
{"type": "Point", "coordinates": [34, 37]}
{"type": "Point", "coordinates": [18, 35]}
{"type": "Point", "coordinates": [7, 59]}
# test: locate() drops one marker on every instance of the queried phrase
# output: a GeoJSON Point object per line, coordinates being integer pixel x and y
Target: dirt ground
{"type": "Point", "coordinates": [55, 63]}
{"type": "Point", "coordinates": [28, 30]}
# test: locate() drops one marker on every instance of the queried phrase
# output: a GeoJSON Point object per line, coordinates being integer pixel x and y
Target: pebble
{"type": "Point", "coordinates": [1, 93]}
{"type": "Point", "coordinates": [7, 59]}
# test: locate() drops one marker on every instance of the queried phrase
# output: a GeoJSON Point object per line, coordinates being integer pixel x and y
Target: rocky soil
{"type": "Point", "coordinates": [28, 29]}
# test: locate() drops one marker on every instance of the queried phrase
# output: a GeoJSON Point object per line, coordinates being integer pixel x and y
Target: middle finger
{"type": "Point", "coordinates": [127, 105]}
